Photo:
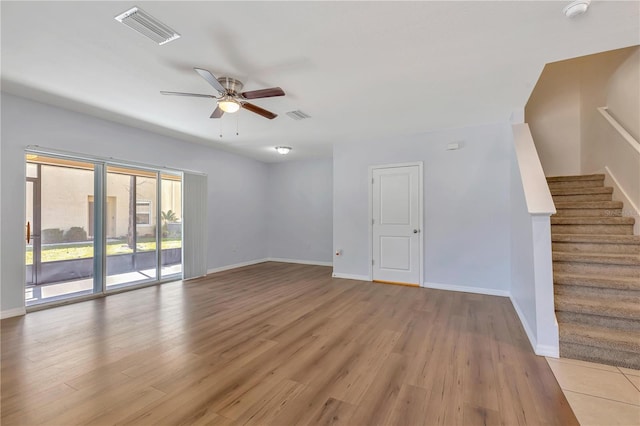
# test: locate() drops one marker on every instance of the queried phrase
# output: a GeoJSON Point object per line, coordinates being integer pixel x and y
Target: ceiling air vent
{"type": "Point", "coordinates": [298, 115]}
{"type": "Point", "coordinates": [137, 19]}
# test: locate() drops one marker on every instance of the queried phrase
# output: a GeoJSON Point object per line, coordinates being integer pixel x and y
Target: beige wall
{"type": "Point", "coordinates": [596, 75]}
{"type": "Point", "coordinates": [562, 113]}
{"type": "Point", "coordinates": [622, 104]}
{"type": "Point", "coordinates": [65, 197]}
{"type": "Point", "coordinates": [553, 114]}
{"type": "Point", "coordinates": [66, 194]}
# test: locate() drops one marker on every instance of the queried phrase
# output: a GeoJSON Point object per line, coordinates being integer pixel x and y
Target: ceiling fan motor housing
{"type": "Point", "coordinates": [232, 85]}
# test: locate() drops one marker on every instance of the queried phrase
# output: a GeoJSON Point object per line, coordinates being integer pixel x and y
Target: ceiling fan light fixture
{"type": "Point", "coordinates": [229, 105]}
{"type": "Point", "coordinates": [283, 150]}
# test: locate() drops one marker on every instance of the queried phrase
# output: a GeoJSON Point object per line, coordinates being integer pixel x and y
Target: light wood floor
{"type": "Point", "coordinates": [277, 344]}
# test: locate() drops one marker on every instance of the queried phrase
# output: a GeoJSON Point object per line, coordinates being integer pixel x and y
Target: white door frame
{"type": "Point", "coordinates": [420, 212]}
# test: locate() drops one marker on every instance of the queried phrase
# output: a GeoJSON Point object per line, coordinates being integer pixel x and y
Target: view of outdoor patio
{"type": "Point", "coordinates": [61, 218]}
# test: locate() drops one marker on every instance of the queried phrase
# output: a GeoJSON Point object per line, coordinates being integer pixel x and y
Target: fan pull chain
{"type": "Point", "coordinates": [220, 122]}
{"type": "Point", "coordinates": [237, 124]}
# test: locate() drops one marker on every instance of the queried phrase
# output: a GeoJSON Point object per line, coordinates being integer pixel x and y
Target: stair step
{"type": "Point", "coordinates": [583, 205]}
{"type": "Point", "coordinates": [582, 197]}
{"type": "Point", "coordinates": [624, 229]}
{"type": "Point", "coordinates": [592, 220]}
{"type": "Point", "coordinates": [588, 213]}
{"type": "Point", "coordinates": [576, 184]}
{"type": "Point", "coordinates": [598, 321]}
{"type": "Point", "coordinates": [588, 268]}
{"type": "Point", "coordinates": [589, 208]}
{"type": "Point", "coordinates": [604, 248]}
{"type": "Point", "coordinates": [574, 178]}
{"type": "Point", "coordinates": [612, 306]}
{"type": "Point", "coordinates": [582, 191]}
{"type": "Point", "coordinates": [604, 294]}
{"type": "Point", "coordinates": [600, 355]}
{"type": "Point", "coordinates": [598, 281]}
{"type": "Point", "coordinates": [602, 337]}
{"type": "Point", "coordinates": [596, 239]}
{"type": "Point", "coordinates": [596, 243]}
{"type": "Point", "coordinates": [605, 259]}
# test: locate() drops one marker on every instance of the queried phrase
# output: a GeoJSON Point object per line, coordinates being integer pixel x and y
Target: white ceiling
{"type": "Point", "coordinates": [362, 70]}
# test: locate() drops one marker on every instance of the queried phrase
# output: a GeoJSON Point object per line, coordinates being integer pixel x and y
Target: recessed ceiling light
{"type": "Point", "coordinates": [140, 21]}
{"type": "Point", "coordinates": [576, 8]}
{"type": "Point", "coordinates": [283, 150]}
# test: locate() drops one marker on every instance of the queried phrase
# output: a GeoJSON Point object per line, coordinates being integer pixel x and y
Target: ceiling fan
{"type": "Point", "coordinates": [230, 98]}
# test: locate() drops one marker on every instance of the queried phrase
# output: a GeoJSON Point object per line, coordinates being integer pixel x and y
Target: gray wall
{"type": "Point", "coordinates": [299, 212]}
{"type": "Point", "coordinates": [237, 186]}
{"type": "Point", "coordinates": [466, 204]}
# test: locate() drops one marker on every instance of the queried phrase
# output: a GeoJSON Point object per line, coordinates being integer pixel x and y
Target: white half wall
{"type": "Point", "coordinates": [466, 204]}
{"type": "Point", "coordinates": [300, 211]}
{"type": "Point", "coordinates": [237, 186]}
{"type": "Point", "coordinates": [531, 262]}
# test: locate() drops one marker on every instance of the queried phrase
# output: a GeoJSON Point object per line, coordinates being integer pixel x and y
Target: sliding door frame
{"type": "Point", "coordinates": [99, 237]}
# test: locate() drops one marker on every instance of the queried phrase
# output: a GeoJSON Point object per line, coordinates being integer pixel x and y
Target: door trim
{"type": "Point", "coordinates": [420, 165]}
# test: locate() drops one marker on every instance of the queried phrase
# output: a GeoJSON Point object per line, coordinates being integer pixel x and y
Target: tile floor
{"type": "Point", "coordinates": [599, 394]}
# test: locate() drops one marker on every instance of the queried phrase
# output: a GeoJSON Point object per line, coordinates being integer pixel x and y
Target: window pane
{"type": "Point", "coordinates": [60, 252]}
{"type": "Point", "coordinates": [131, 226]}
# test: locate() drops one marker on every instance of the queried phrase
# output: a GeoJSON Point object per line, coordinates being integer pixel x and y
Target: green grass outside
{"type": "Point", "coordinates": [54, 253]}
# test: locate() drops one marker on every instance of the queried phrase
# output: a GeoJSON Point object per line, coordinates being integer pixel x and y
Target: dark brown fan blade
{"type": "Point", "coordinates": [260, 111]}
{"type": "Point", "coordinates": [197, 95]}
{"type": "Point", "coordinates": [217, 113]}
{"type": "Point", "coordinates": [211, 79]}
{"type": "Point", "coordinates": [263, 93]}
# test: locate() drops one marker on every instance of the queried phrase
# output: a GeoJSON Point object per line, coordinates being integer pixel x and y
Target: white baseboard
{"type": "Point", "coordinates": [16, 312]}
{"type": "Point", "coordinates": [525, 325]}
{"type": "Point", "coordinates": [467, 289]}
{"type": "Point", "coordinates": [618, 191]}
{"type": "Point", "coordinates": [236, 265]}
{"type": "Point", "coordinates": [351, 276]}
{"type": "Point", "coordinates": [549, 351]}
{"type": "Point", "coordinates": [302, 262]}
{"type": "Point", "coordinates": [267, 259]}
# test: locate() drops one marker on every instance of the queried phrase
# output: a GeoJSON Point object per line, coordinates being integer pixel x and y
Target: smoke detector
{"type": "Point", "coordinates": [576, 8]}
{"type": "Point", "coordinates": [140, 21]}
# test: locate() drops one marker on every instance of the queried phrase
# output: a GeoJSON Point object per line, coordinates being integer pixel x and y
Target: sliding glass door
{"type": "Point", "coordinates": [59, 255]}
{"type": "Point", "coordinates": [132, 254]}
{"type": "Point", "coordinates": [97, 227]}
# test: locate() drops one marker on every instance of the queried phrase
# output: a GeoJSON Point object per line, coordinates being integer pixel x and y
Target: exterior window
{"type": "Point", "coordinates": [143, 213]}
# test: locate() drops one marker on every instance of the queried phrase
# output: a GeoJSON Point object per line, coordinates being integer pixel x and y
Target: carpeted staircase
{"type": "Point", "coordinates": [596, 271]}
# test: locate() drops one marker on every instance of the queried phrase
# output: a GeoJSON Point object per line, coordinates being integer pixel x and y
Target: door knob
{"type": "Point", "coordinates": [415, 231]}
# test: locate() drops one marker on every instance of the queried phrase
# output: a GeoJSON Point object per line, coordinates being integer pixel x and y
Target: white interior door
{"type": "Point", "coordinates": [396, 233]}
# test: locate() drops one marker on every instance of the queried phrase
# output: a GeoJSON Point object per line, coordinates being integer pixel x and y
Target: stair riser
{"type": "Point", "coordinates": [597, 248]}
{"type": "Point", "coordinates": [588, 212]}
{"type": "Point", "coordinates": [576, 184]}
{"type": "Point", "coordinates": [631, 271]}
{"type": "Point", "coordinates": [598, 321]}
{"type": "Point", "coordinates": [614, 283]}
{"type": "Point", "coordinates": [577, 290]}
{"type": "Point", "coordinates": [600, 355]}
{"type": "Point", "coordinates": [567, 337]}
{"type": "Point", "coordinates": [602, 311]}
{"type": "Point", "coordinates": [593, 229]}
{"type": "Point", "coordinates": [582, 197]}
